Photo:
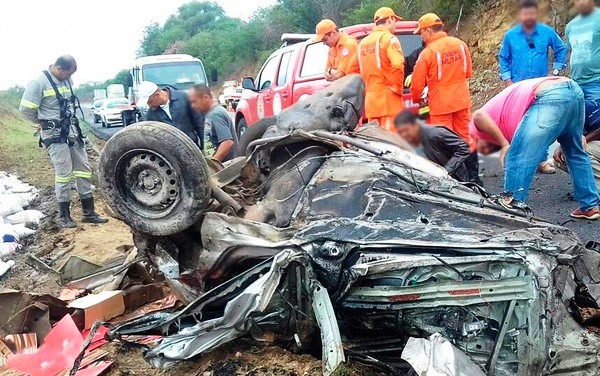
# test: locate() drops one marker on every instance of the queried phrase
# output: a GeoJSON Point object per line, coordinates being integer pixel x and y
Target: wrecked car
{"type": "Point", "coordinates": [327, 236]}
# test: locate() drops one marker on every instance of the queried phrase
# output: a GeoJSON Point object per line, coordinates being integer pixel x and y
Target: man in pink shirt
{"type": "Point", "coordinates": [522, 122]}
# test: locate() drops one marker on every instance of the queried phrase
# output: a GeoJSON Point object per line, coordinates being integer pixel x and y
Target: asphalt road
{"type": "Point", "coordinates": [96, 128]}
{"type": "Point", "coordinates": [550, 196]}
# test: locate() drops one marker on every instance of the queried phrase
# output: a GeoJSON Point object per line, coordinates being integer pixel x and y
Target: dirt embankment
{"type": "Point", "coordinates": [483, 32]}
{"type": "Point", "coordinates": [20, 154]}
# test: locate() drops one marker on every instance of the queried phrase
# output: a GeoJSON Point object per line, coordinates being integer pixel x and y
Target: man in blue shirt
{"type": "Point", "coordinates": [524, 52]}
{"type": "Point", "coordinates": [583, 39]}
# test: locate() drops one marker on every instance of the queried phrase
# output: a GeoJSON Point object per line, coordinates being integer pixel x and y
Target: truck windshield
{"type": "Point", "coordinates": [181, 76]}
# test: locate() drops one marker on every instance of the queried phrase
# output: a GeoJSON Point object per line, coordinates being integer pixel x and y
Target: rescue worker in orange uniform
{"type": "Point", "coordinates": [342, 50]}
{"type": "Point", "coordinates": [382, 68]}
{"type": "Point", "coordinates": [445, 66]}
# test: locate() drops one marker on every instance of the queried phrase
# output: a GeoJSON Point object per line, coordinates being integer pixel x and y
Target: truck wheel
{"type": "Point", "coordinates": [241, 128]}
{"type": "Point", "coordinates": [155, 177]}
{"type": "Point", "coordinates": [253, 133]}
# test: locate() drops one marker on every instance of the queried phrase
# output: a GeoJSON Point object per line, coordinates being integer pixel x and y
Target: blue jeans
{"type": "Point", "coordinates": [556, 114]}
{"type": "Point", "coordinates": [591, 92]}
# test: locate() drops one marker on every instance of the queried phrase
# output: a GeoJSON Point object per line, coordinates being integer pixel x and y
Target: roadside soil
{"type": "Point", "coordinates": [20, 154]}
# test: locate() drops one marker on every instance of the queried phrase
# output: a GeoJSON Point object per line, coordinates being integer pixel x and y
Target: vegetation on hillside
{"type": "Point", "coordinates": [86, 91]}
{"type": "Point", "coordinates": [19, 149]}
{"type": "Point", "coordinates": [202, 29]}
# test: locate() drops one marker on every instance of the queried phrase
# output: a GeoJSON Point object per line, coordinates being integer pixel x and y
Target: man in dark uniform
{"type": "Point", "coordinates": [172, 107]}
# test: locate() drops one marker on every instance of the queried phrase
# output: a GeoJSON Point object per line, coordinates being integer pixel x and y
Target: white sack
{"type": "Point", "coordinates": [26, 216]}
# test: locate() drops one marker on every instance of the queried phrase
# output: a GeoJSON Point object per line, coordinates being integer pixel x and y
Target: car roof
{"type": "Point", "coordinates": [294, 42]}
{"type": "Point", "coordinates": [168, 58]}
{"type": "Point", "coordinates": [361, 31]}
{"type": "Point", "coordinates": [291, 40]}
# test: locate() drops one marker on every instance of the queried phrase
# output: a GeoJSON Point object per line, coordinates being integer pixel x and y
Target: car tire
{"type": "Point", "coordinates": [252, 133]}
{"type": "Point", "coordinates": [103, 123]}
{"type": "Point", "coordinates": [241, 128]}
{"type": "Point", "coordinates": [155, 177]}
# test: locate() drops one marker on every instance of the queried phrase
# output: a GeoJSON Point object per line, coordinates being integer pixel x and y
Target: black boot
{"type": "Point", "coordinates": [65, 220]}
{"type": "Point", "coordinates": [472, 165]}
{"type": "Point", "coordinates": [89, 214]}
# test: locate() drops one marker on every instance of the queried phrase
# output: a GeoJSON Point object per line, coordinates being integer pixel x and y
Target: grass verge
{"type": "Point", "coordinates": [19, 150]}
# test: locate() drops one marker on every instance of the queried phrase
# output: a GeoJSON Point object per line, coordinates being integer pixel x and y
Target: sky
{"type": "Point", "coordinates": [102, 35]}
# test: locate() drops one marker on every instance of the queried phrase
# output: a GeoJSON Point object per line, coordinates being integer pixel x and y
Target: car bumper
{"type": "Point", "coordinates": [114, 118]}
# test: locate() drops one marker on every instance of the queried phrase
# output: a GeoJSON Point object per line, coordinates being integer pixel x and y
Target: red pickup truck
{"type": "Point", "coordinates": [295, 71]}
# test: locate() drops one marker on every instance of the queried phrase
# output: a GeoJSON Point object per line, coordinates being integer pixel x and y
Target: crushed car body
{"type": "Point", "coordinates": [323, 233]}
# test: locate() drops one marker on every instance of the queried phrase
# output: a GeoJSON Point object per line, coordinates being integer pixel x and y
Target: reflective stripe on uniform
{"type": "Point", "coordinates": [82, 174]}
{"type": "Point", "coordinates": [50, 92]}
{"type": "Point", "coordinates": [63, 179]}
{"type": "Point", "coordinates": [28, 104]}
{"type": "Point", "coordinates": [378, 54]}
{"type": "Point", "coordinates": [439, 64]}
{"type": "Point", "coordinates": [359, 59]}
{"type": "Point", "coordinates": [464, 53]}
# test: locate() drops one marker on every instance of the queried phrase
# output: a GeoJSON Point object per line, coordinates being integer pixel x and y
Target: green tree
{"type": "Point", "coordinates": [202, 29]}
{"type": "Point", "coordinates": [335, 9]}
{"type": "Point", "coordinates": [121, 78]}
{"type": "Point", "coordinates": [149, 45]}
{"type": "Point", "coordinates": [365, 11]}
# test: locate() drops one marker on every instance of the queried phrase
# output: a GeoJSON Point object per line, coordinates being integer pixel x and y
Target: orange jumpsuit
{"type": "Point", "coordinates": [445, 66]}
{"type": "Point", "coordinates": [382, 68]}
{"type": "Point", "coordinates": [342, 56]}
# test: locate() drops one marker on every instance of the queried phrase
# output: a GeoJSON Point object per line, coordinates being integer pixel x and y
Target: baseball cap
{"type": "Point", "coordinates": [385, 12]}
{"type": "Point", "coordinates": [324, 27]}
{"type": "Point", "coordinates": [428, 20]}
{"type": "Point", "coordinates": [145, 90]}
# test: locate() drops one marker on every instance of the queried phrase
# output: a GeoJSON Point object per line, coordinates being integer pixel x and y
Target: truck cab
{"type": "Point", "coordinates": [296, 70]}
{"type": "Point", "coordinates": [177, 71]}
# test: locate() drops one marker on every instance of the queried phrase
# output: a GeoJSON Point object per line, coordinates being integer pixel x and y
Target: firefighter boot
{"type": "Point", "coordinates": [65, 220]}
{"type": "Point", "coordinates": [89, 214]}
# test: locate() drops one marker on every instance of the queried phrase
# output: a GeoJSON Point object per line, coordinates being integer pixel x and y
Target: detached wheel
{"type": "Point", "coordinates": [155, 177]}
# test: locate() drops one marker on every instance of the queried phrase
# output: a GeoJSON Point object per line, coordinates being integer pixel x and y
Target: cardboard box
{"type": "Point", "coordinates": [100, 307]}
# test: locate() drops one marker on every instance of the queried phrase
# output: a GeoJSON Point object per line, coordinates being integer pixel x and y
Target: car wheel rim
{"type": "Point", "coordinates": [149, 183]}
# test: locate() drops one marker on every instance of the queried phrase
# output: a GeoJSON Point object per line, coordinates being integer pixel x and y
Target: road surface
{"type": "Point", "coordinates": [96, 128]}
{"type": "Point", "coordinates": [550, 197]}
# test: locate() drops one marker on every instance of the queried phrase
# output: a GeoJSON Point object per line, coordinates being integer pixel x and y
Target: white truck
{"type": "Point", "coordinates": [99, 94]}
{"type": "Point", "coordinates": [115, 91]}
{"type": "Point", "coordinates": [177, 71]}
{"type": "Point", "coordinates": [232, 93]}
